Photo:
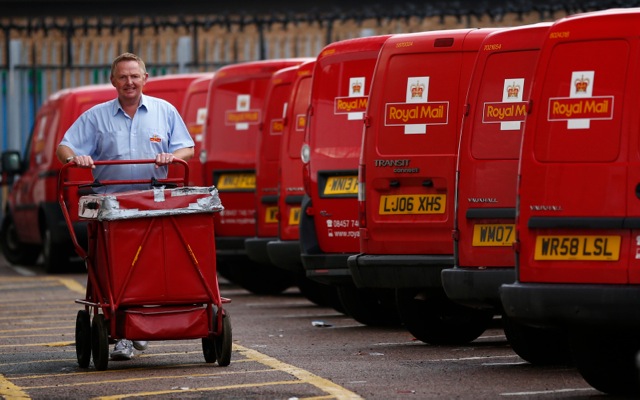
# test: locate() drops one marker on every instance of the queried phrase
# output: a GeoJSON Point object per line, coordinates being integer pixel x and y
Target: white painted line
{"type": "Point", "coordinates": [23, 271]}
{"type": "Point", "coordinates": [549, 392]}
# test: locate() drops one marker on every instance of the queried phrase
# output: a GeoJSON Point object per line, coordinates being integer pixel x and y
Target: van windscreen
{"type": "Point", "coordinates": [582, 110]}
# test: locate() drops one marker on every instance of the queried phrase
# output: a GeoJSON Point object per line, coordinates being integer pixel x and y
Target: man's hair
{"type": "Point", "coordinates": [128, 57]}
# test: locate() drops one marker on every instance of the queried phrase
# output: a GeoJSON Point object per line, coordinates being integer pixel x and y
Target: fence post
{"type": "Point", "coordinates": [14, 92]}
{"type": "Point", "coordinates": [185, 54]}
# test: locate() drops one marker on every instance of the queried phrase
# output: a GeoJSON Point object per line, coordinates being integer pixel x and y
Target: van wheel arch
{"type": "Point", "coordinates": [14, 251]}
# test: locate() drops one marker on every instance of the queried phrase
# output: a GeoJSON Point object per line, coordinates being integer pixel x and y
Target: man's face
{"type": "Point", "coordinates": [128, 79]}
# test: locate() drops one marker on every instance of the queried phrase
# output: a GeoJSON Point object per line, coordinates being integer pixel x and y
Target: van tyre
{"type": "Point", "coordinates": [607, 360]}
{"type": "Point", "coordinates": [16, 252]}
{"type": "Point", "coordinates": [369, 307]}
{"type": "Point", "coordinates": [320, 294]}
{"type": "Point", "coordinates": [431, 317]}
{"type": "Point", "coordinates": [55, 255]}
{"type": "Point", "coordinates": [539, 346]}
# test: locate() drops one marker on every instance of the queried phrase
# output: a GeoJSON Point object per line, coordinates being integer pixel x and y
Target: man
{"type": "Point", "coordinates": [132, 126]}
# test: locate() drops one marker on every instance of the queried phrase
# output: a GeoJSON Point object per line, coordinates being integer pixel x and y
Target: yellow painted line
{"type": "Point", "coordinates": [35, 329]}
{"type": "Point", "coordinates": [72, 285]}
{"type": "Point", "coordinates": [9, 391]}
{"type": "Point", "coordinates": [148, 378]}
{"type": "Point", "coordinates": [209, 389]}
{"type": "Point", "coordinates": [324, 384]}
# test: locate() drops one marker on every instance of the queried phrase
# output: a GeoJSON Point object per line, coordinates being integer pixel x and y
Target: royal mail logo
{"type": "Point", "coordinates": [581, 107]}
{"type": "Point", "coordinates": [582, 84]}
{"type": "Point", "coordinates": [417, 90]}
{"type": "Point", "coordinates": [355, 104]}
{"type": "Point", "coordinates": [345, 105]}
{"type": "Point", "coordinates": [155, 138]}
{"type": "Point", "coordinates": [511, 111]}
{"type": "Point", "coordinates": [277, 126]}
{"type": "Point", "coordinates": [356, 87]}
{"type": "Point", "coordinates": [243, 116]}
{"type": "Point", "coordinates": [301, 122]}
{"type": "Point", "coordinates": [402, 114]}
{"type": "Point", "coordinates": [513, 90]}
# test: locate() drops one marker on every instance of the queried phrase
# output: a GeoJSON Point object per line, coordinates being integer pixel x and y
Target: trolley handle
{"type": "Point", "coordinates": [64, 183]}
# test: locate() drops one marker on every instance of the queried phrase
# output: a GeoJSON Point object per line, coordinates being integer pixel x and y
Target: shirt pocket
{"type": "Point", "coordinates": [157, 141]}
{"type": "Point", "coordinates": [115, 145]}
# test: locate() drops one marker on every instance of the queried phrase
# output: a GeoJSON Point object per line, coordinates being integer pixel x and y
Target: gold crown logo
{"type": "Point", "coordinates": [417, 89]}
{"type": "Point", "coordinates": [356, 86]}
{"type": "Point", "coordinates": [513, 90]}
{"type": "Point", "coordinates": [582, 84]}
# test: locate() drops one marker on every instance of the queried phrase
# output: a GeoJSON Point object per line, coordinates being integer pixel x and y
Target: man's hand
{"type": "Point", "coordinates": [83, 161]}
{"type": "Point", "coordinates": [164, 159]}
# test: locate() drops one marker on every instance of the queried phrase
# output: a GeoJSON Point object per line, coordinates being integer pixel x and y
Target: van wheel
{"type": "Point", "coordinates": [14, 251]}
{"type": "Point", "coordinates": [539, 346]}
{"type": "Point", "coordinates": [56, 255]}
{"type": "Point", "coordinates": [607, 360]}
{"type": "Point", "coordinates": [263, 279]}
{"type": "Point", "coordinates": [320, 294]}
{"type": "Point", "coordinates": [430, 316]}
{"type": "Point", "coordinates": [369, 307]}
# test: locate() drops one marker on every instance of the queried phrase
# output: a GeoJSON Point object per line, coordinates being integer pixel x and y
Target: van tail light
{"type": "Point", "coordinates": [362, 212]}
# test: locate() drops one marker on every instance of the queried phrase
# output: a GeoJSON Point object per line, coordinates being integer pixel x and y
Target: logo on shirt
{"type": "Point", "coordinates": [155, 138]}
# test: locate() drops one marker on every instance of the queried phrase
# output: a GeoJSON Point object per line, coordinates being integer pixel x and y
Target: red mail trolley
{"type": "Point", "coordinates": [151, 266]}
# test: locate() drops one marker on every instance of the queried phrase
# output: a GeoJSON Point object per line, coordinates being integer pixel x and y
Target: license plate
{"type": "Point", "coordinates": [493, 234]}
{"type": "Point", "coordinates": [590, 248]}
{"type": "Point", "coordinates": [271, 215]}
{"type": "Point", "coordinates": [237, 181]}
{"type": "Point", "coordinates": [294, 216]}
{"type": "Point", "coordinates": [341, 185]}
{"type": "Point", "coordinates": [413, 204]}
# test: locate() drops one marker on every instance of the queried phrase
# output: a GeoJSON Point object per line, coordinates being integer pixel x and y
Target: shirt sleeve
{"type": "Point", "coordinates": [180, 136]}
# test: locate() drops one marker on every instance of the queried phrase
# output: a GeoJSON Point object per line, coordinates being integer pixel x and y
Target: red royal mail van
{"type": "Point", "coordinates": [194, 114]}
{"type": "Point", "coordinates": [329, 221]}
{"type": "Point", "coordinates": [33, 223]}
{"type": "Point", "coordinates": [578, 215]}
{"type": "Point", "coordinates": [484, 224]}
{"type": "Point", "coordinates": [407, 179]}
{"type": "Point", "coordinates": [267, 163]}
{"type": "Point", "coordinates": [235, 110]}
{"type": "Point", "coordinates": [284, 249]}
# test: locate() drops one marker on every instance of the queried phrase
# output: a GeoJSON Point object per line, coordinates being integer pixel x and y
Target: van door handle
{"type": "Point", "coordinates": [638, 190]}
{"type": "Point", "coordinates": [394, 183]}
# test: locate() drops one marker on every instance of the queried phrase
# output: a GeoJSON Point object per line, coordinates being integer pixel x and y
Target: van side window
{"type": "Point", "coordinates": [299, 119]}
{"type": "Point", "coordinates": [582, 115]}
{"type": "Point", "coordinates": [501, 106]}
{"type": "Point", "coordinates": [44, 138]}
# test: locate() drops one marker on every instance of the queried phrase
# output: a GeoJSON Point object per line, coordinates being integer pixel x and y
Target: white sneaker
{"type": "Point", "coordinates": [140, 345]}
{"type": "Point", "coordinates": [123, 350]}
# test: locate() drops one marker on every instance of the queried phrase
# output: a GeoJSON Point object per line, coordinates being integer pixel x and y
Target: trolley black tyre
{"type": "Point", "coordinates": [368, 306]}
{"type": "Point", "coordinates": [16, 252]}
{"type": "Point", "coordinates": [83, 338]}
{"type": "Point", "coordinates": [431, 317]}
{"type": "Point", "coordinates": [607, 360]}
{"type": "Point", "coordinates": [538, 346]}
{"type": "Point", "coordinates": [223, 343]}
{"type": "Point", "coordinates": [100, 342]}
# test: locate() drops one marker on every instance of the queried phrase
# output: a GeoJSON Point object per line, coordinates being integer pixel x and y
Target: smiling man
{"type": "Point", "coordinates": [132, 126]}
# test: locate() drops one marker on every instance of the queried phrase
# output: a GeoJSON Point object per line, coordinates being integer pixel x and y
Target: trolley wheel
{"type": "Point", "coordinates": [83, 338]}
{"type": "Point", "coordinates": [100, 342]}
{"type": "Point", "coordinates": [218, 348]}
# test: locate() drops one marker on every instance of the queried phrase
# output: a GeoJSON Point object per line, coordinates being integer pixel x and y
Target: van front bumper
{"type": "Point", "coordinates": [572, 305]}
{"type": "Point", "coordinates": [398, 271]}
{"type": "Point", "coordinates": [474, 287]}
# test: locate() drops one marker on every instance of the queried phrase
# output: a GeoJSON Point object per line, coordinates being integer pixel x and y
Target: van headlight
{"type": "Point", "coordinates": [203, 156]}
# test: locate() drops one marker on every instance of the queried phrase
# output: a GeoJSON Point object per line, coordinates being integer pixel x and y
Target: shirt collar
{"type": "Point", "coordinates": [116, 105]}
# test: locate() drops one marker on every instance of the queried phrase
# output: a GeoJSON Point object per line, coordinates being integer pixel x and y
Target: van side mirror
{"type": "Point", "coordinates": [11, 162]}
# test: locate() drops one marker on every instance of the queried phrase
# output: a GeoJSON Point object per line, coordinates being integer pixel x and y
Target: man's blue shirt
{"type": "Point", "coordinates": [106, 132]}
